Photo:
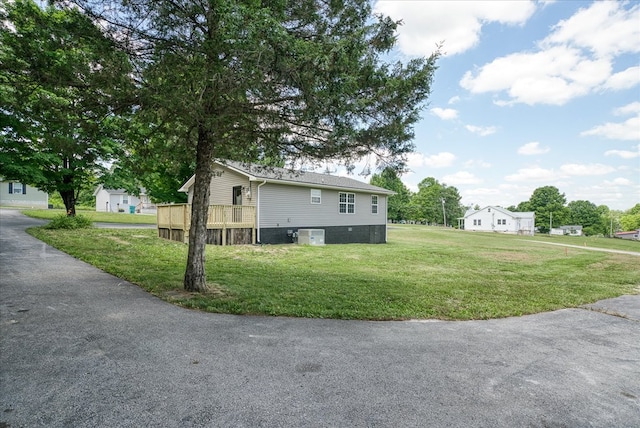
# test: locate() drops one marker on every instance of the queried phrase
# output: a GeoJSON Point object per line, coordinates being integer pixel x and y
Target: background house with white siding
{"type": "Point", "coordinates": [17, 194]}
{"type": "Point", "coordinates": [119, 200]}
{"type": "Point", "coordinates": [496, 219]}
{"type": "Point", "coordinates": [348, 210]}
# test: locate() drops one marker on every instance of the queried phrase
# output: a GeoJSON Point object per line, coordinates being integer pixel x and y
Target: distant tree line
{"type": "Point", "coordinates": [437, 203]}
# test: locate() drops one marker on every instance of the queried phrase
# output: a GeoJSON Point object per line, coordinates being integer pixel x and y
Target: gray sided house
{"type": "Point", "coordinates": [349, 211]}
{"type": "Point", "coordinates": [17, 194]}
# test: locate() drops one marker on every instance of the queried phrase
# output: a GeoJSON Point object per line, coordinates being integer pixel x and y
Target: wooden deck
{"type": "Point", "coordinates": [226, 224]}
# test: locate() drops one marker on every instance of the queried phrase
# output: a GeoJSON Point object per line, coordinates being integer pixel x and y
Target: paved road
{"type": "Point", "coordinates": [81, 348]}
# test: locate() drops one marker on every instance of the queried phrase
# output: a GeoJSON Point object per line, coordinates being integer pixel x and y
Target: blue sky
{"type": "Point", "coordinates": [527, 94]}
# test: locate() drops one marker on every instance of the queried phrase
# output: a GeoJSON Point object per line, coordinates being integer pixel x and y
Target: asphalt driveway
{"type": "Point", "coordinates": [81, 348]}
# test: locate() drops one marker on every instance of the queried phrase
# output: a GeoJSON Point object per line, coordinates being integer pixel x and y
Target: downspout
{"type": "Point", "coordinates": [258, 211]}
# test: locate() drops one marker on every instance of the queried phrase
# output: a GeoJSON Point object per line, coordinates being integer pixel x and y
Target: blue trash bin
{"type": "Point", "coordinates": [132, 209]}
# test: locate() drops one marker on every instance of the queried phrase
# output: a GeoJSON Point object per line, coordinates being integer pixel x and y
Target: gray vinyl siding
{"type": "Point", "coordinates": [290, 206]}
{"type": "Point", "coordinates": [31, 197]}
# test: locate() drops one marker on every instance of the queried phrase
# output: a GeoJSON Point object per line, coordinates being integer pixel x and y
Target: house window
{"type": "Point", "coordinates": [347, 203]}
{"type": "Point", "coordinates": [316, 196]}
{"type": "Point", "coordinates": [17, 188]}
{"type": "Point", "coordinates": [502, 221]}
{"type": "Point", "coordinates": [125, 199]}
{"type": "Point", "coordinates": [477, 222]}
{"type": "Point", "coordinates": [374, 204]}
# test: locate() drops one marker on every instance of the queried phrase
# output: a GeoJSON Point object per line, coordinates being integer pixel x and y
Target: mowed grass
{"type": "Point", "coordinates": [421, 273]}
{"type": "Point", "coordinates": [99, 217]}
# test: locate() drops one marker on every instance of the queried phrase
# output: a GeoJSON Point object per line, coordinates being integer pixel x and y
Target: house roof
{"type": "Point", "coordinates": [295, 178]}
{"type": "Point", "coordinates": [116, 191]}
{"type": "Point", "coordinates": [514, 214]}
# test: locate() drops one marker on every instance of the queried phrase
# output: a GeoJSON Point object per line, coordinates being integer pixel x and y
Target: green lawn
{"type": "Point", "coordinates": [100, 217]}
{"type": "Point", "coordinates": [421, 272]}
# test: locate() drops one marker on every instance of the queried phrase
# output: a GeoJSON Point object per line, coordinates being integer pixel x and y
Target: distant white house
{"type": "Point", "coordinates": [17, 194]}
{"type": "Point", "coordinates": [572, 230]}
{"type": "Point", "coordinates": [496, 219]}
{"type": "Point", "coordinates": [632, 234]}
{"type": "Point", "coordinates": [119, 200]}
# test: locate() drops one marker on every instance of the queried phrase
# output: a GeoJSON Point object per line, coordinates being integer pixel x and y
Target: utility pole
{"type": "Point", "coordinates": [444, 214]}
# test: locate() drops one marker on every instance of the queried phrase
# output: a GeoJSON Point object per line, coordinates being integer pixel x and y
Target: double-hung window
{"type": "Point", "coordinates": [374, 204]}
{"type": "Point", "coordinates": [316, 196]}
{"type": "Point", "coordinates": [347, 204]}
{"type": "Point", "coordinates": [17, 188]}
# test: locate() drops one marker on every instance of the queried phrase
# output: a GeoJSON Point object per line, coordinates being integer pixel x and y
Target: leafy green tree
{"type": "Point", "coordinates": [248, 80]}
{"type": "Point", "coordinates": [398, 205]}
{"type": "Point", "coordinates": [437, 203]}
{"type": "Point", "coordinates": [59, 83]}
{"type": "Point", "coordinates": [549, 205]}
{"type": "Point", "coordinates": [630, 220]}
{"type": "Point", "coordinates": [587, 215]}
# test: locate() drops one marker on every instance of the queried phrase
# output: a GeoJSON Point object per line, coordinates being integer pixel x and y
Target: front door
{"type": "Point", "coordinates": [237, 200]}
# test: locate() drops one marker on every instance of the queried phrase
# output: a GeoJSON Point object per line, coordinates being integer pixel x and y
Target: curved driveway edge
{"type": "Point", "coordinates": [81, 348]}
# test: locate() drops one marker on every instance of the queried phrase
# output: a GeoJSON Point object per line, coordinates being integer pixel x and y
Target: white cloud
{"type": "Point", "coordinates": [461, 177]}
{"type": "Point", "coordinates": [629, 108]}
{"type": "Point", "coordinates": [625, 79]}
{"type": "Point", "coordinates": [620, 181]}
{"type": "Point", "coordinates": [477, 163]}
{"type": "Point", "coordinates": [605, 28]}
{"type": "Point", "coordinates": [586, 170]}
{"type": "Point", "coordinates": [574, 60]}
{"type": "Point", "coordinates": [533, 174]}
{"type": "Point", "coordinates": [532, 148]}
{"type": "Point", "coordinates": [453, 100]}
{"type": "Point", "coordinates": [627, 130]}
{"type": "Point", "coordinates": [455, 23]}
{"type": "Point", "coordinates": [445, 113]}
{"type": "Point", "coordinates": [440, 160]}
{"type": "Point", "coordinates": [624, 154]}
{"type": "Point", "coordinates": [482, 131]}
{"type": "Point", "coordinates": [553, 76]}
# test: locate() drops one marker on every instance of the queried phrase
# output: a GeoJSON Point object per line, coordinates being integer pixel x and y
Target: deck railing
{"type": "Point", "coordinates": [176, 218]}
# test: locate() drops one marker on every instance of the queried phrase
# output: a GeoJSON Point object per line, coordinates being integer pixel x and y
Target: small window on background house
{"type": "Point", "coordinates": [316, 196]}
{"type": "Point", "coordinates": [17, 188]}
{"type": "Point", "coordinates": [475, 222]}
{"type": "Point", "coordinates": [479, 222]}
{"type": "Point", "coordinates": [125, 199]}
{"type": "Point", "coordinates": [374, 204]}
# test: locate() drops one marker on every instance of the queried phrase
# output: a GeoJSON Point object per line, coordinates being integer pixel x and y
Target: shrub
{"type": "Point", "coordinates": [63, 221]}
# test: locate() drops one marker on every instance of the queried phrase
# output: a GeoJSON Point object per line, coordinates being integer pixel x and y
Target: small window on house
{"type": "Point", "coordinates": [479, 222]}
{"type": "Point", "coordinates": [347, 204]}
{"type": "Point", "coordinates": [17, 188]}
{"type": "Point", "coordinates": [475, 222]}
{"type": "Point", "coordinates": [316, 196]}
{"type": "Point", "coordinates": [374, 204]}
{"type": "Point", "coordinates": [125, 199]}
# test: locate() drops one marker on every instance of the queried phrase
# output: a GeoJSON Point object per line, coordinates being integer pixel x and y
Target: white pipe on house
{"type": "Point", "coordinates": [258, 210]}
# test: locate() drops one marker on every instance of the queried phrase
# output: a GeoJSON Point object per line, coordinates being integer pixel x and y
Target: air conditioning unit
{"type": "Point", "coordinates": [311, 236]}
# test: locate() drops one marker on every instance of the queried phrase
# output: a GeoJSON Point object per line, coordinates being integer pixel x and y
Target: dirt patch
{"type": "Point", "coordinates": [118, 240]}
{"type": "Point", "coordinates": [509, 256]}
{"type": "Point", "coordinates": [213, 291]}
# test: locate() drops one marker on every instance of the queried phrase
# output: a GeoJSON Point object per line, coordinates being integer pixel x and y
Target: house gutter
{"type": "Point", "coordinates": [258, 211]}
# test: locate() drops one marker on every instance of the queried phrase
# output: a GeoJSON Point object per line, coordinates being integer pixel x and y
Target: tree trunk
{"type": "Point", "coordinates": [195, 278]}
{"type": "Point", "coordinates": [69, 199]}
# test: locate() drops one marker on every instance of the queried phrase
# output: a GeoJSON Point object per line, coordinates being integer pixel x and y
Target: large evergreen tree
{"type": "Point", "coordinates": [60, 81]}
{"type": "Point", "coordinates": [251, 79]}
